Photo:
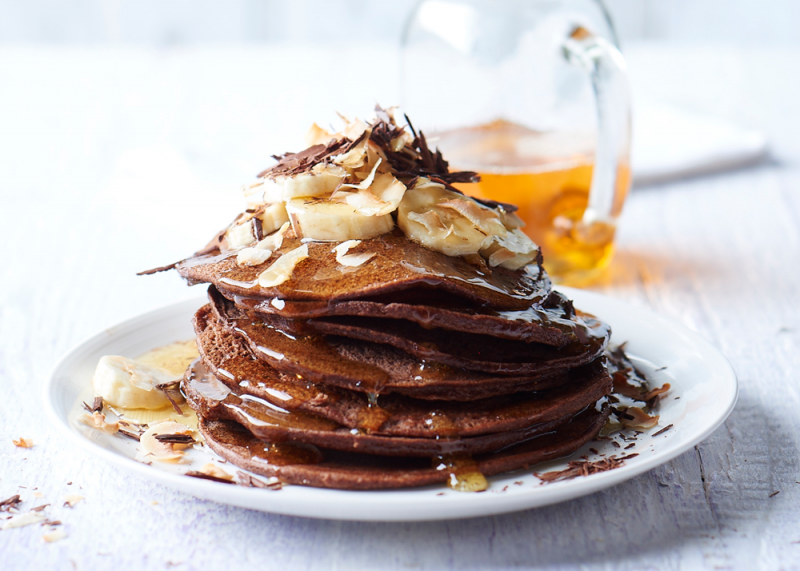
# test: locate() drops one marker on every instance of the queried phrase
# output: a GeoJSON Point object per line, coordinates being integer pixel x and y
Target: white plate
{"type": "Point", "coordinates": [700, 376]}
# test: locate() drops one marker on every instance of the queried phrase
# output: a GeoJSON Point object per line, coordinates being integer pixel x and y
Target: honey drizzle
{"type": "Point", "coordinates": [464, 474]}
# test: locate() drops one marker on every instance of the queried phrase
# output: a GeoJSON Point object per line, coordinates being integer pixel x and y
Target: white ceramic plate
{"type": "Point", "coordinates": [704, 391]}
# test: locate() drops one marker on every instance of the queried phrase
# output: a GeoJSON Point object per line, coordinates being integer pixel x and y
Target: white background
{"type": "Point", "coordinates": [167, 22]}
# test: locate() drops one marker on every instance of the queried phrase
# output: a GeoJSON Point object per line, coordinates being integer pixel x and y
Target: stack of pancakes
{"type": "Point", "coordinates": [415, 368]}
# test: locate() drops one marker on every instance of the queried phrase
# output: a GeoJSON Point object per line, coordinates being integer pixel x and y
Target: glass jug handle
{"type": "Point", "coordinates": [606, 68]}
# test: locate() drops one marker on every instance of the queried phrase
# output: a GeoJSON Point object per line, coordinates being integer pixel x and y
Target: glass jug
{"type": "Point", "coordinates": [532, 95]}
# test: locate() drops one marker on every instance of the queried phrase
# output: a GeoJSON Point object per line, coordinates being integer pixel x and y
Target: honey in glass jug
{"type": "Point", "coordinates": [532, 95]}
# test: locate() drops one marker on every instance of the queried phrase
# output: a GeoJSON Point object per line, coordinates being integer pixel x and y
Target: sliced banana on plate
{"type": "Point", "coordinates": [127, 383]}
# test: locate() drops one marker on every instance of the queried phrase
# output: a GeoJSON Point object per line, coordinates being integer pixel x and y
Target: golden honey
{"type": "Point", "coordinates": [548, 175]}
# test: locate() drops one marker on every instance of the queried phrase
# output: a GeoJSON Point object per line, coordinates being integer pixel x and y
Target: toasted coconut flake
{"type": "Point", "coordinates": [351, 260]}
{"type": "Point", "coordinates": [211, 469]}
{"type": "Point", "coordinates": [635, 417]}
{"type": "Point", "coordinates": [250, 481]}
{"type": "Point", "coordinates": [432, 222]}
{"type": "Point", "coordinates": [72, 501]}
{"type": "Point", "coordinates": [513, 251]}
{"type": "Point", "coordinates": [657, 392]}
{"type": "Point", "coordinates": [274, 240]}
{"type": "Point", "coordinates": [21, 520]}
{"type": "Point", "coordinates": [368, 179]}
{"type": "Point", "coordinates": [252, 257]}
{"type": "Point", "coordinates": [164, 451]}
{"type": "Point", "coordinates": [10, 503]}
{"type": "Point", "coordinates": [483, 218]}
{"type": "Point", "coordinates": [98, 421]}
{"type": "Point", "coordinates": [282, 268]}
{"type": "Point", "coordinates": [23, 443]}
{"type": "Point", "coordinates": [55, 535]}
{"type": "Point", "coordinates": [262, 251]}
{"type": "Point", "coordinates": [355, 158]}
{"type": "Point", "coordinates": [317, 136]}
{"type": "Point", "coordinates": [353, 128]}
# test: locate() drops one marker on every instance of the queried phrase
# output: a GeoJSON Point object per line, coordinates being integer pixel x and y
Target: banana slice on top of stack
{"type": "Point", "coordinates": [362, 182]}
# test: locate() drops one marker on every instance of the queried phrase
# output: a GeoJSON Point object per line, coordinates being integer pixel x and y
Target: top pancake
{"type": "Point", "coordinates": [399, 265]}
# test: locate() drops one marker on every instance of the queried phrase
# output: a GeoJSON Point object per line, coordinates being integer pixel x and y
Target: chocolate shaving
{"type": "Point", "coordinates": [9, 503]}
{"type": "Point", "coordinates": [96, 406]}
{"type": "Point", "coordinates": [203, 476]}
{"type": "Point", "coordinates": [663, 430]}
{"type": "Point", "coordinates": [773, 494]}
{"type": "Point", "coordinates": [510, 208]}
{"type": "Point", "coordinates": [39, 508]}
{"type": "Point", "coordinates": [258, 230]}
{"type": "Point", "coordinates": [171, 400]}
{"type": "Point", "coordinates": [584, 468]}
{"type": "Point", "coordinates": [158, 269]}
{"type": "Point", "coordinates": [51, 522]}
{"type": "Point", "coordinates": [175, 438]}
{"type": "Point", "coordinates": [249, 481]}
{"type": "Point", "coordinates": [129, 434]}
{"type": "Point", "coordinates": [408, 164]}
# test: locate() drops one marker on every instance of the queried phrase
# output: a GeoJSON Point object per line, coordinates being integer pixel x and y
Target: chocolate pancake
{"type": "Point", "coordinates": [287, 346]}
{"type": "Point", "coordinates": [399, 264]}
{"type": "Point", "coordinates": [303, 464]}
{"type": "Point", "coordinates": [370, 367]}
{"type": "Point", "coordinates": [212, 399]}
{"type": "Point", "coordinates": [553, 323]}
{"type": "Point", "coordinates": [407, 376]}
{"type": "Point", "coordinates": [394, 415]}
{"type": "Point", "coordinates": [468, 350]}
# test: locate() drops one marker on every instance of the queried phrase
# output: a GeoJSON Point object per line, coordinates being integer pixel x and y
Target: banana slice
{"type": "Point", "coordinates": [322, 180]}
{"type": "Point", "coordinates": [126, 383]}
{"type": "Point", "coordinates": [240, 235]}
{"type": "Point", "coordinates": [355, 158]}
{"type": "Point", "coordinates": [332, 221]}
{"type": "Point", "coordinates": [266, 191]}
{"type": "Point", "coordinates": [446, 221]}
{"type": "Point", "coordinates": [273, 217]}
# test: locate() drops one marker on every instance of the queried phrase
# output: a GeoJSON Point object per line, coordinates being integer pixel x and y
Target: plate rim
{"type": "Point", "coordinates": [454, 506]}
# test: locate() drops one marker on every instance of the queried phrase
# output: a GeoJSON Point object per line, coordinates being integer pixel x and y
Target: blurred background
{"type": "Point", "coordinates": [149, 114]}
{"type": "Point", "coordinates": [179, 22]}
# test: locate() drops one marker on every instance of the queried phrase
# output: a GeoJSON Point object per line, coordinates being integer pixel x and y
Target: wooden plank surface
{"type": "Point", "coordinates": [113, 162]}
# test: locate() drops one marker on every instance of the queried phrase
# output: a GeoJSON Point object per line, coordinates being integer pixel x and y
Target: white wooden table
{"type": "Point", "coordinates": [116, 161]}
